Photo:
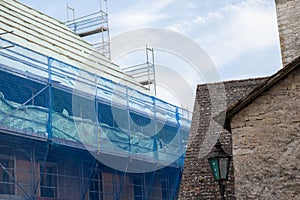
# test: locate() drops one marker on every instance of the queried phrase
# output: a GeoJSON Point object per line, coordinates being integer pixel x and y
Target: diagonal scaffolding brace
{"type": "Point", "coordinates": [15, 181]}
{"type": "Point", "coordinates": [23, 104]}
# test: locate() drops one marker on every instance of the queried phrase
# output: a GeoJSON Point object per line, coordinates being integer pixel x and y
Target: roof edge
{"type": "Point", "coordinates": [243, 102]}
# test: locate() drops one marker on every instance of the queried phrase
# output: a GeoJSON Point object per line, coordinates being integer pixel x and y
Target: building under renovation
{"type": "Point", "coordinates": [73, 125]}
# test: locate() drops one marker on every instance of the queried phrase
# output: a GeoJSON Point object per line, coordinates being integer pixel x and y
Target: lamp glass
{"type": "Point", "coordinates": [214, 164]}
{"type": "Point", "coordinates": [223, 164]}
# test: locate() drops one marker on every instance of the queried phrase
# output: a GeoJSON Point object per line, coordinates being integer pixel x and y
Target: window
{"type": "Point", "coordinates": [48, 180]}
{"type": "Point", "coordinates": [7, 175]}
{"type": "Point", "coordinates": [138, 187]}
{"type": "Point", "coordinates": [95, 186]}
{"type": "Point", "coordinates": [165, 189]}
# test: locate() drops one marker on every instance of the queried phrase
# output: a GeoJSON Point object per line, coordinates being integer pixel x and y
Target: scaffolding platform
{"type": "Point", "coordinates": [95, 26]}
{"type": "Point", "coordinates": [26, 81]}
{"type": "Point", "coordinates": [63, 106]}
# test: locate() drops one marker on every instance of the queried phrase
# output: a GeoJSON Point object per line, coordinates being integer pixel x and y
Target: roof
{"type": "Point", "coordinates": [245, 101]}
{"type": "Point", "coordinates": [50, 37]}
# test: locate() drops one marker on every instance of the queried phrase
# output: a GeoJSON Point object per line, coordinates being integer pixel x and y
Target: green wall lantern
{"type": "Point", "coordinates": [219, 162]}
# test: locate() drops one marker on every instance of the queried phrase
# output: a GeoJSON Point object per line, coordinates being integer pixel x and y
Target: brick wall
{"type": "Point", "coordinates": [266, 143]}
{"type": "Point", "coordinates": [288, 16]}
{"type": "Point", "coordinates": [197, 181]}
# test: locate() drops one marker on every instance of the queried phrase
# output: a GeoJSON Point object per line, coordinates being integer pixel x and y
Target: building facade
{"type": "Point", "coordinates": [261, 128]}
{"type": "Point", "coordinates": [73, 125]}
{"type": "Point", "coordinates": [265, 129]}
{"type": "Point", "coordinates": [197, 181]}
{"type": "Point", "coordinates": [265, 124]}
{"type": "Point", "coordinates": [33, 169]}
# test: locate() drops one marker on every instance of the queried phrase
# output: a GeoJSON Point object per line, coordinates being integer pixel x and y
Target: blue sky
{"type": "Point", "coordinates": [240, 36]}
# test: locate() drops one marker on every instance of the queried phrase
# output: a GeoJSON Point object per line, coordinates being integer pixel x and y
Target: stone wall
{"type": "Point", "coordinates": [266, 143]}
{"type": "Point", "coordinates": [288, 16]}
{"type": "Point", "coordinates": [197, 181]}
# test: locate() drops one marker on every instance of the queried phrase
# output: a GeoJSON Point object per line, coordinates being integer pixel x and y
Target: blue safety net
{"type": "Point", "coordinates": [46, 98]}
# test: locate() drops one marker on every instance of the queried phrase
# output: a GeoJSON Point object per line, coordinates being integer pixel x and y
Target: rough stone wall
{"type": "Point", "coordinates": [266, 143]}
{"type": "Point", "coordinates": [197, 181]}
{"type": "Point", "coordinates": [288, 17]}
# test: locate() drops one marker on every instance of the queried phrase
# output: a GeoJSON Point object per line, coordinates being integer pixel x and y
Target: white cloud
{"type": "Point", "coordinates": [226, 32]}
{"type": "Point", "coordinates": [144, 14]}
{"type": "Point", "coordinates": [231, 33]}
{"type": "Point", "coordinates": [209, 18]}
{"type": "Point", "coordinates": [245, 27]}
{"type": "Point", "coordinates": [178, 27]}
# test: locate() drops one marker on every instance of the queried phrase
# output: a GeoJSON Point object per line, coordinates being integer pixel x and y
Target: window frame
{"type": "Point", "coordinates": [13, 183]}
{"type": "Point", "coordinates": [56, 187]}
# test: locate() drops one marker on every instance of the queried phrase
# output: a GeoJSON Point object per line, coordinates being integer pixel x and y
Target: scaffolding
{"type": "Point", "coordinates": [36, 102]}
{"type": "Point", "coordinates": [144, 73]}
{"type": "Point", "coordinates": [60, 113]}
{"type": "Point", "coordinates": [49, 78]}
{"type": "Point", "coordinates": [81, 178]}
{"type": "Point", "coordinates": [93, 27]}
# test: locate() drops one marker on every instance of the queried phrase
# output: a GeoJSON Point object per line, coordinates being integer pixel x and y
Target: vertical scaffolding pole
{"type": "Point", "coordinates": [69, 8]}
{"type": "Point", "coordinates": [177, 115]}
{"type": "Point", "coordinates": [33, 173]}
{"type": "Point", "coordinates": [105, 29]}
{"type": "Point", "coordinates": [151, 65]}
{"type": "Point", "coordinates": [155, 147]}
{"type": "Point", "coordinates": [148, 67]}
{"type": "Point", "coordinates": [81, 174]}
{"type": "Point", "coordinates": [97, 117]}
{"type": "Point", "coordinates": [128, 120]}
{"type": "Point", "coordinates": [49, 124]}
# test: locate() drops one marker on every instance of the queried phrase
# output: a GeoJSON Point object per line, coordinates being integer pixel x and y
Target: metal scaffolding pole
{"type": "Point", "coordinates": [93, 28]}
{"type": "Point", "coordinates": [15, 181]}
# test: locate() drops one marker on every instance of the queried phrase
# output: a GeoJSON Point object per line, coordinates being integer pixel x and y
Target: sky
{"type": "Point", "coordinates": [240, 36]}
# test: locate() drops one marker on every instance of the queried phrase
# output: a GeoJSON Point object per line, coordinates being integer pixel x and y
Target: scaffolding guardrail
{"type": "Point", "coordinates": [162, 140]}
